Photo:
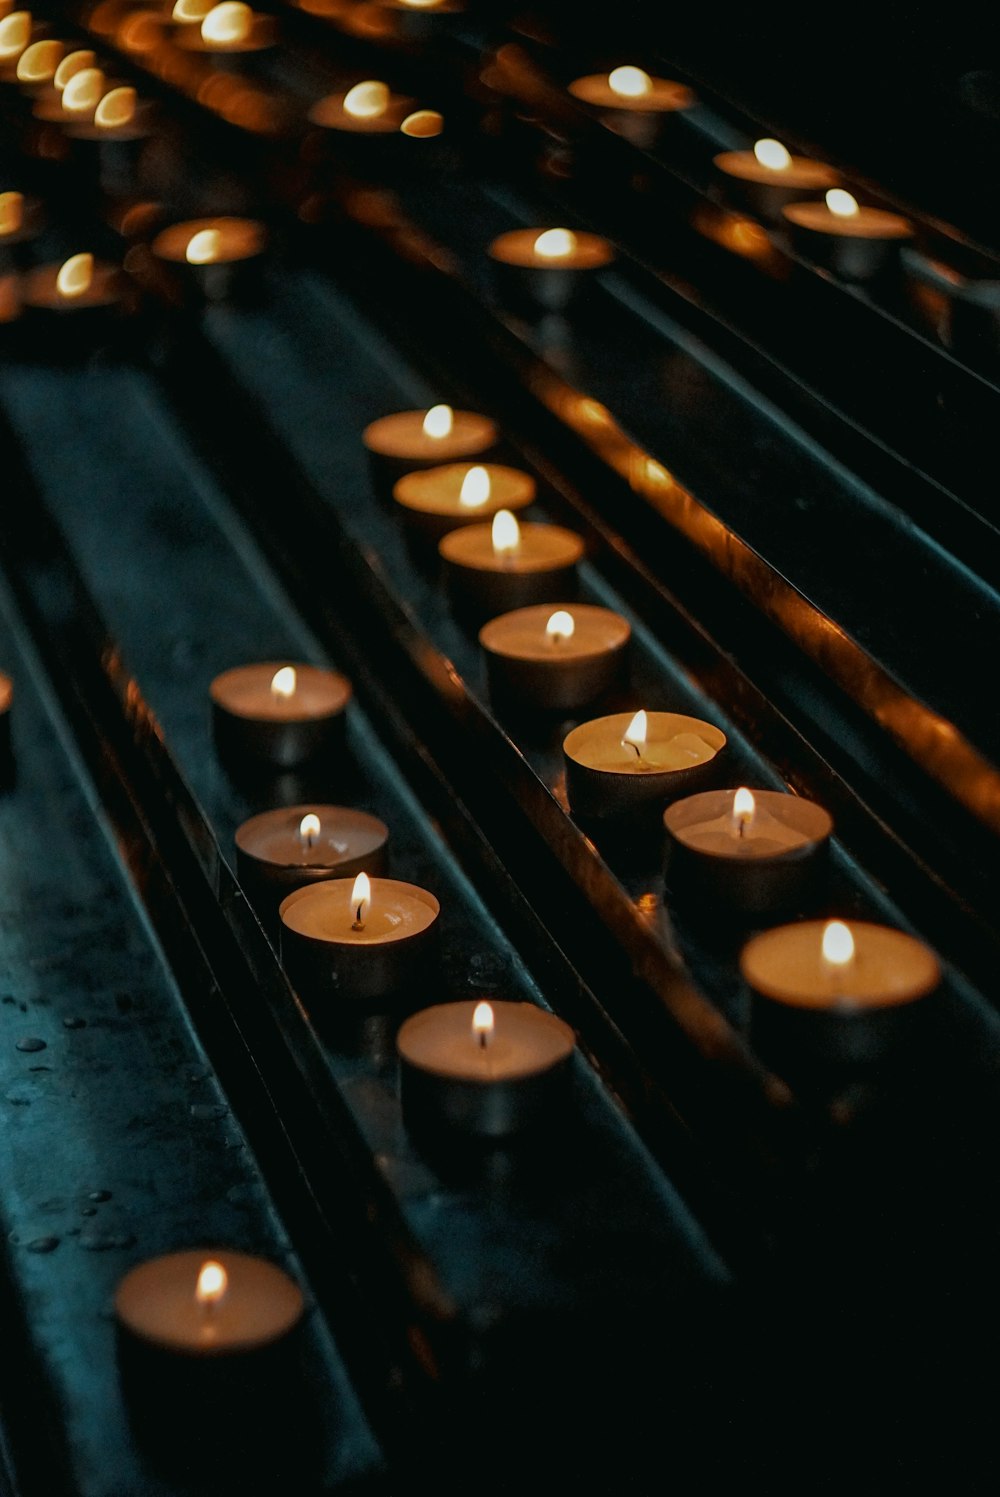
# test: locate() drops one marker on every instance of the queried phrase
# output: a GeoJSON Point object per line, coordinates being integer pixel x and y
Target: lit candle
{"type": "Point", "coordinates": [83, 298]}
{"type": "Point", "coordinates": [284, 849]}
{"type": "Point", "coordinates": [554, 658]}
{"type": "Point", "coordinates": [546, 270]}
{"type": "Point", "coordinates": [854, 242]}
{"type": "Point", "coordinates": [37, 63]}
{"type": "Point", "coordinates": [632, 764]}
{"type": "Point", "coordinates": [228, 29]}
{"type": "Point", "coordinates": [15, 35]}
{"type": "Point", "coordinates": [362, 939]}
{"type": "Point", "coordinates": [6, 701]}
{"type": "Point", "coordinates": [274, 716]}
{"type": "Point", "coordinates": [20, 222]}
{"type": "Point", "coordinates": [408, 441]}
{"type": "Point", "coordinates": [768, 178]}
{"type": "Point", "coordinates": [436, 500]}
{"type": "Point", "coordinates": [368, 108]}
{"type": "Point", "coordinates": [487, 1070]}
{"type": "Point", "coordinates": [218, 255]}
{"type": "Point", "coordinates": [497, 567]}
{"type": "Point", "coordinates": [828, 991]}
{"type": "Point", "coordinates": [749, 852]}
{"type": "Point", "coordinates": [420, 20]}
{"type": "Point", "coordinates": [632, 102]}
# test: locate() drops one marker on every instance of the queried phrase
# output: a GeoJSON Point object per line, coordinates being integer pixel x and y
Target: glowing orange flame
{"type": "Point", "coordinates": [838, 944]}
{"type": "Point", "coordinates": [75, 275]}
{"type": "Point", "coordinates": [38, 63]}
{"type": "Point", "coordinates": [561, 626]}
{"type": "Point", "coordinates": [11, 212]}
{"type": "Point", "coordinates": [506, 533]}
{"type": "Point", "coordinates": [555, 244]}
{"type": "Point", "coordinates": [840, 203]}
{"type": "Point", "coordinates": [772, 154]}
{"type": "Point", "coordinates": [744, 809]}
{"type": "Point", "coordinates": [475, 490]}
{"type": "Point", "coordinates": [309, 828]}
{"type": "Point", "coordinates": [185, 12]}
{"type": "Point", "coordinates": [116, 108]}
{"type": "Point", "coordinates": [229, 22]}
{"type": "Point", "coordinates": [203, 248]}
{"type": "Point", "coordinates": [636, 733]}
{"type": "Point", "coordinates": [72, 63]}
{"type": "Point", "coordinates": [361, 899]}
{"type": "Point", "coordinates": [482, 1024]}
{"type": "Point", "coordinates": [367, 101]}
{"type": "Point", "coordinates": [630, 83]}
{"type": "Point", "coordinates": [439, 421]}
{"type": "Point", "coordinates": [213, 1281]}
{"type": "Point", "coordinates": [15, 34]}
{"type": "Point", "coordinates": [83, 91]}
{"type": "Point", "coordinates": [423, 124]}
{"type": "Point", "coordinates": [284, 682]}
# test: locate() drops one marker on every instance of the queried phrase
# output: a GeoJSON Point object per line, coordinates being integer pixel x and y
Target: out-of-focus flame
{"type": "Point", "coordinates": [630, 83]}
{"type": "Point", "coordinates": [361, 899]}
{"type": "Point", "coordinates": [187, 12]}
{"type": "Point", "coordinates": [555, 244]}
{"type": "Point", "coordinates": [772, 154]}
{"type": "Point", "coordinates": [475, 490]}
{"type": "Point", "coordinates": [213, 1281]}
{"type": "Point", "coordinates": [83, 91]}
{"type": "Point", "coordinates": [561, 626]}
{"type": "Point", "coordinates": [75, 275]}
{"type": "Point", "coordinates": [439, 421]}
{"type": "Point", "coordinates": [116, 108]}
{"type": "Point", "coordinates": [368, 100]}
{"type": "Point", "coordinates": [284, 682]}
{"type": "Point", "coordinates": [15, 34]}
{"type": "Point", "coordinates": [38, 63]}
{"type": "Point", "coordinates": [506, 533]}
{"type": "Point", "coordinates": [840, 203]}
{"type": "Point", "coordinates": [309, 828]}
{"type": "Point", "coordinates": [423, 124]}
{"type": "Point", "coordinates": [203, 248]}
{"type": "Point", "coordinates": [482, 1024]}
{"type": "Point", "coordinates": [229, 22]}
{"type": "Point", "coordinates": [838, 944]}
{"type": "Point", "coordinates": [72, 63]}
{"type": "Point", "coordinates": [11, 212]}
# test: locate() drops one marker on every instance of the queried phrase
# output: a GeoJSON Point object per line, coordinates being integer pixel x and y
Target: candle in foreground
{"type": "Point", "coordinates": [230, 28]}
{"type": "Point", "coordinates": [488, 1070]}
{"type": "Point", "coordinates": [277, 715]}
{"type": "Point", "coordinates": [856, 243]}
{"type": "Point", "coordinates": [504, 565]}
{"type": "Point", "coordinates": [408, 441]}
{"type": "Point", "coordinates": [552, 657]}
{"type": "Point", "coordinates": [632, 101]}
{"type": "Point", "coordinates": [437, 500]}
{"type": "Point", "coordinates": [208, 1302]}
{"type": "Point", "coordinates": [360, 939]}
{"type": "Point", "coordinates": [835, 990]}
{"type": "Point", "coordinates": [545, 270]}
{"type": "Point", "coordinates": [753, 852]}
{"type": "Point", "coordinates": [281, 850]}
{"type": "Point", "coordinates": [768, 178]}
{"type": "Point", "coordinates": [630, 764]}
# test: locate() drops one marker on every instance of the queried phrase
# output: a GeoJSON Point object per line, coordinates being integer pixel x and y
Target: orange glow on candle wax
{"type": "Point", "coordinates": [838, 945]}
{"type": "Point", "coordinates": [283, 682]}
{"type": "Point", "coordinates": [772, 154]}
{"type": "Point", "coordinates": [75, 275]}
{"type": "Point", "coordinates": [630, 83]}
{"type": "Point", "coordinates": [439, 421]}
{"type": "Point", "coordinates": [840, 203]}
{"type": "Point", "coordinates": [15, 34]}
{"type": "Point", "coordinates": [229, 22]}
{"type": "Point", "coordinates": [309, 829]}
{"type": "Point", "coordinates": [555, 244]}
{"type": "Point", "coordinates": [561, 626]}
{"type": "Point", "coordinates": [203, 249]}
{"type": "Point", "coordinates": [475, 489]}
{"type": "Point", "coordinates": [11, 212]}
{"type": "Point", "coordinates": [367, 101]}
{"type": "Point", "coordinates": [38, 63]}
{"type": "Point", "coordinates": [506, 533]}
{"type": "Point", "coordinates": [483, 1024]}
{"type": "Point", "coordinates": [744, 810]}
{"type": "Point", "coordinates": [116, 108]}
{"type": "Point", "coordinates": [213, 1281]}
{"type": "Point", "coordinates": [83, 91]}
{"type": "Point", "coordinates": [361, 899]}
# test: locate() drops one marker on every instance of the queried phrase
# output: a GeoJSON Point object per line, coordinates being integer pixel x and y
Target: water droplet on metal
{"type": "Point", "coordinates": [43, 1244]}
{"type": "Point", "coordinates": [74, 1023]}
{"type": "Point", "coordinates": [99, 1195]}
{"type": "Point", "coordinates": [30, 1044]}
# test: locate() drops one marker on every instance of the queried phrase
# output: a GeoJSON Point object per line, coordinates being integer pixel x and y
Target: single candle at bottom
{"type": "Point", "coordinates": [751, 852]}
{"type": "Point", "coordinates": [631, 764]}
{"type": "Point", "coordinates": [832, 991]}
{"type": "Point", "coordinates": [284, 849]}
{"type": "Point", "coordinates": [488, 1070]}
{"type": "Point", "coordinates": [362, 939]}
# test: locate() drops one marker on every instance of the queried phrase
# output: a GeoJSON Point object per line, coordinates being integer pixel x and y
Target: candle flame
{"type": "Point", "coordinates": [38, 63]}
{"type": "Point", "coordinates": [72, 63]}
{"type": "Point", "coordinates": [83, 91]}
{"type": "Point", "coordinates": [361, 899]}
{"type": "Point", "coordinates": [11, 212]}
{"type": "Point", "coordinates": [283, 682]}
{"type": "Point", "coordinates": [838, 944]}
{"type": "Point", "coordinates": [423, 124]}
{"type": "Point", "coordinates": [213, 1281]}
{"type": "Point", "coordinates": [203, 248]}
{"type": "Point", "coordinates": [439, 421]}
{"type": "Point", "coordinates": [482, 1024]}
{"type": "Point", "coordinates": [560, 626]}
{"type": "Point", "coordinates": [116, 108]}
{"type": "Point", "coordinates": [309, 828]}
{"type": "Point", "coordinates": [744, 809]}
{"type": "Point", "coordinates": [475, 490]}
{"type": "Point", "coordinates": [367, 101]}
{"type": "Point", "coordinates": [15, 34]}
{"type": "Point", "coordinates": [637, 732]}
{"type": "Point", "coordinates": [421, 4]}
{"type": "Point", "coordinates": [772, 154]}
{"type": "Point", "coordinates": [630, 83]}
{"type": "Point", "coordinates": [841, 203]}
{"type": "Point", "coordinates": [229, 22]}
{"type": "Point", "coordinates": [187, 11]}
{"type": "Point", "coordinates": [555, 244]}
{"type": "Point", "coordinates": [506, 533]}
{"type": "Point", "coordinates": [75, 275]}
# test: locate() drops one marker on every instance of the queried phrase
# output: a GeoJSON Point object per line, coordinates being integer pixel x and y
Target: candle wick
{"type": "Point", "coordinates": [627, 743]}
{"type": "Point", "coordinates": [482, 1039]}
{"type": "Point", "coordinates": [359, 924]}
{"type": "Point", "coordinates": [743, 826]}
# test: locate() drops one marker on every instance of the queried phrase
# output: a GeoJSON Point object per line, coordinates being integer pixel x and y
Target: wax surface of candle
{"type": "Point", "coordinates": [438, 491]}
{"type": "Point", "coordinates": [157, 1301]}
{"type": "Point", "coordinates": [522, 634]}
{"type": "Point", "coordinates": [519, 247]}
{"type": "Point", "coordinates": [327, 912]}
{"type": "Point", "coordinates": [673, 742]}
{"type": "Point", "coordinates": [540, 548]}
{"type": "Point", "coordinates": [888, 967]}
{"type": "Point", "coordinates": [866, 223]}
{"type": "Point", "coordinates": [246, 691]}
{"type": "Point", "coordinates": [275, 836]}
{"type": "Point", "coordinates": [661, 96]}
{"type": "Point", "coordinates": [762, 836]}
{"type": "Point", "coordinates": [525, 1040]}
{"type": "Point", "coordinates": [402, 435]}
{"type": "Point", "coordinates": [233, 239]}
{"type": "Point", "coordinates": [800, 173]}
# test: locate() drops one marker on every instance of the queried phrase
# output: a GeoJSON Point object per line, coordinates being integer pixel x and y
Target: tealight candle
{"type": "Point", "coordinates": [417, 20]}
{"type": "Point", "coordinates": [80, 300]}
{"type": "Point", "coordinates": [632, 102]}
{"type": "Point", "coordinates": [230, 29]}
{"type": "Point", "coordinates": [369, 108]}
{"type": "Point", "coordinates": [284, 849]}
{"type": "Point", "coordinates": [555, 658]}
{"type": "Point", "coordinates": [362, 939]}
{"type": "Point", "coordinates": [826, 990]}
{"type": "Point", "coordinates": [213, 251]}
{"type": "Point", "coordinates": [15, 37]}
{"type": "Point", "coordinates": [6, 700]}
{"type": "Point", "coordinates": [546, 270]}
{"type": "Point", "coordinates": [115, 134]}
{"type": "Point", "coordinates": [632, 764]}
{"type": "Point", "coordinates": [276, 715]}
{"type": "Point", "coordinates": [20, 222]}
{"type": "Point", "coordinates": [36, 65]}
{"type": "Point", "coordinates": [77, 87]}
{"type": "Point", "coordinates": [437, 500]}
{"type": "Point", "coordinates": [408, 441]}
{"type": "Point", "coordinates": [853, 242]}
{"type": "Point", "coordinates": [768, 178]}
{"type": "Point", "coordinates": [754, 852]}
{"type": "Point", "coordinates": [505, 565]}
{"type": "Point", "coordinates": [488, 1070]}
